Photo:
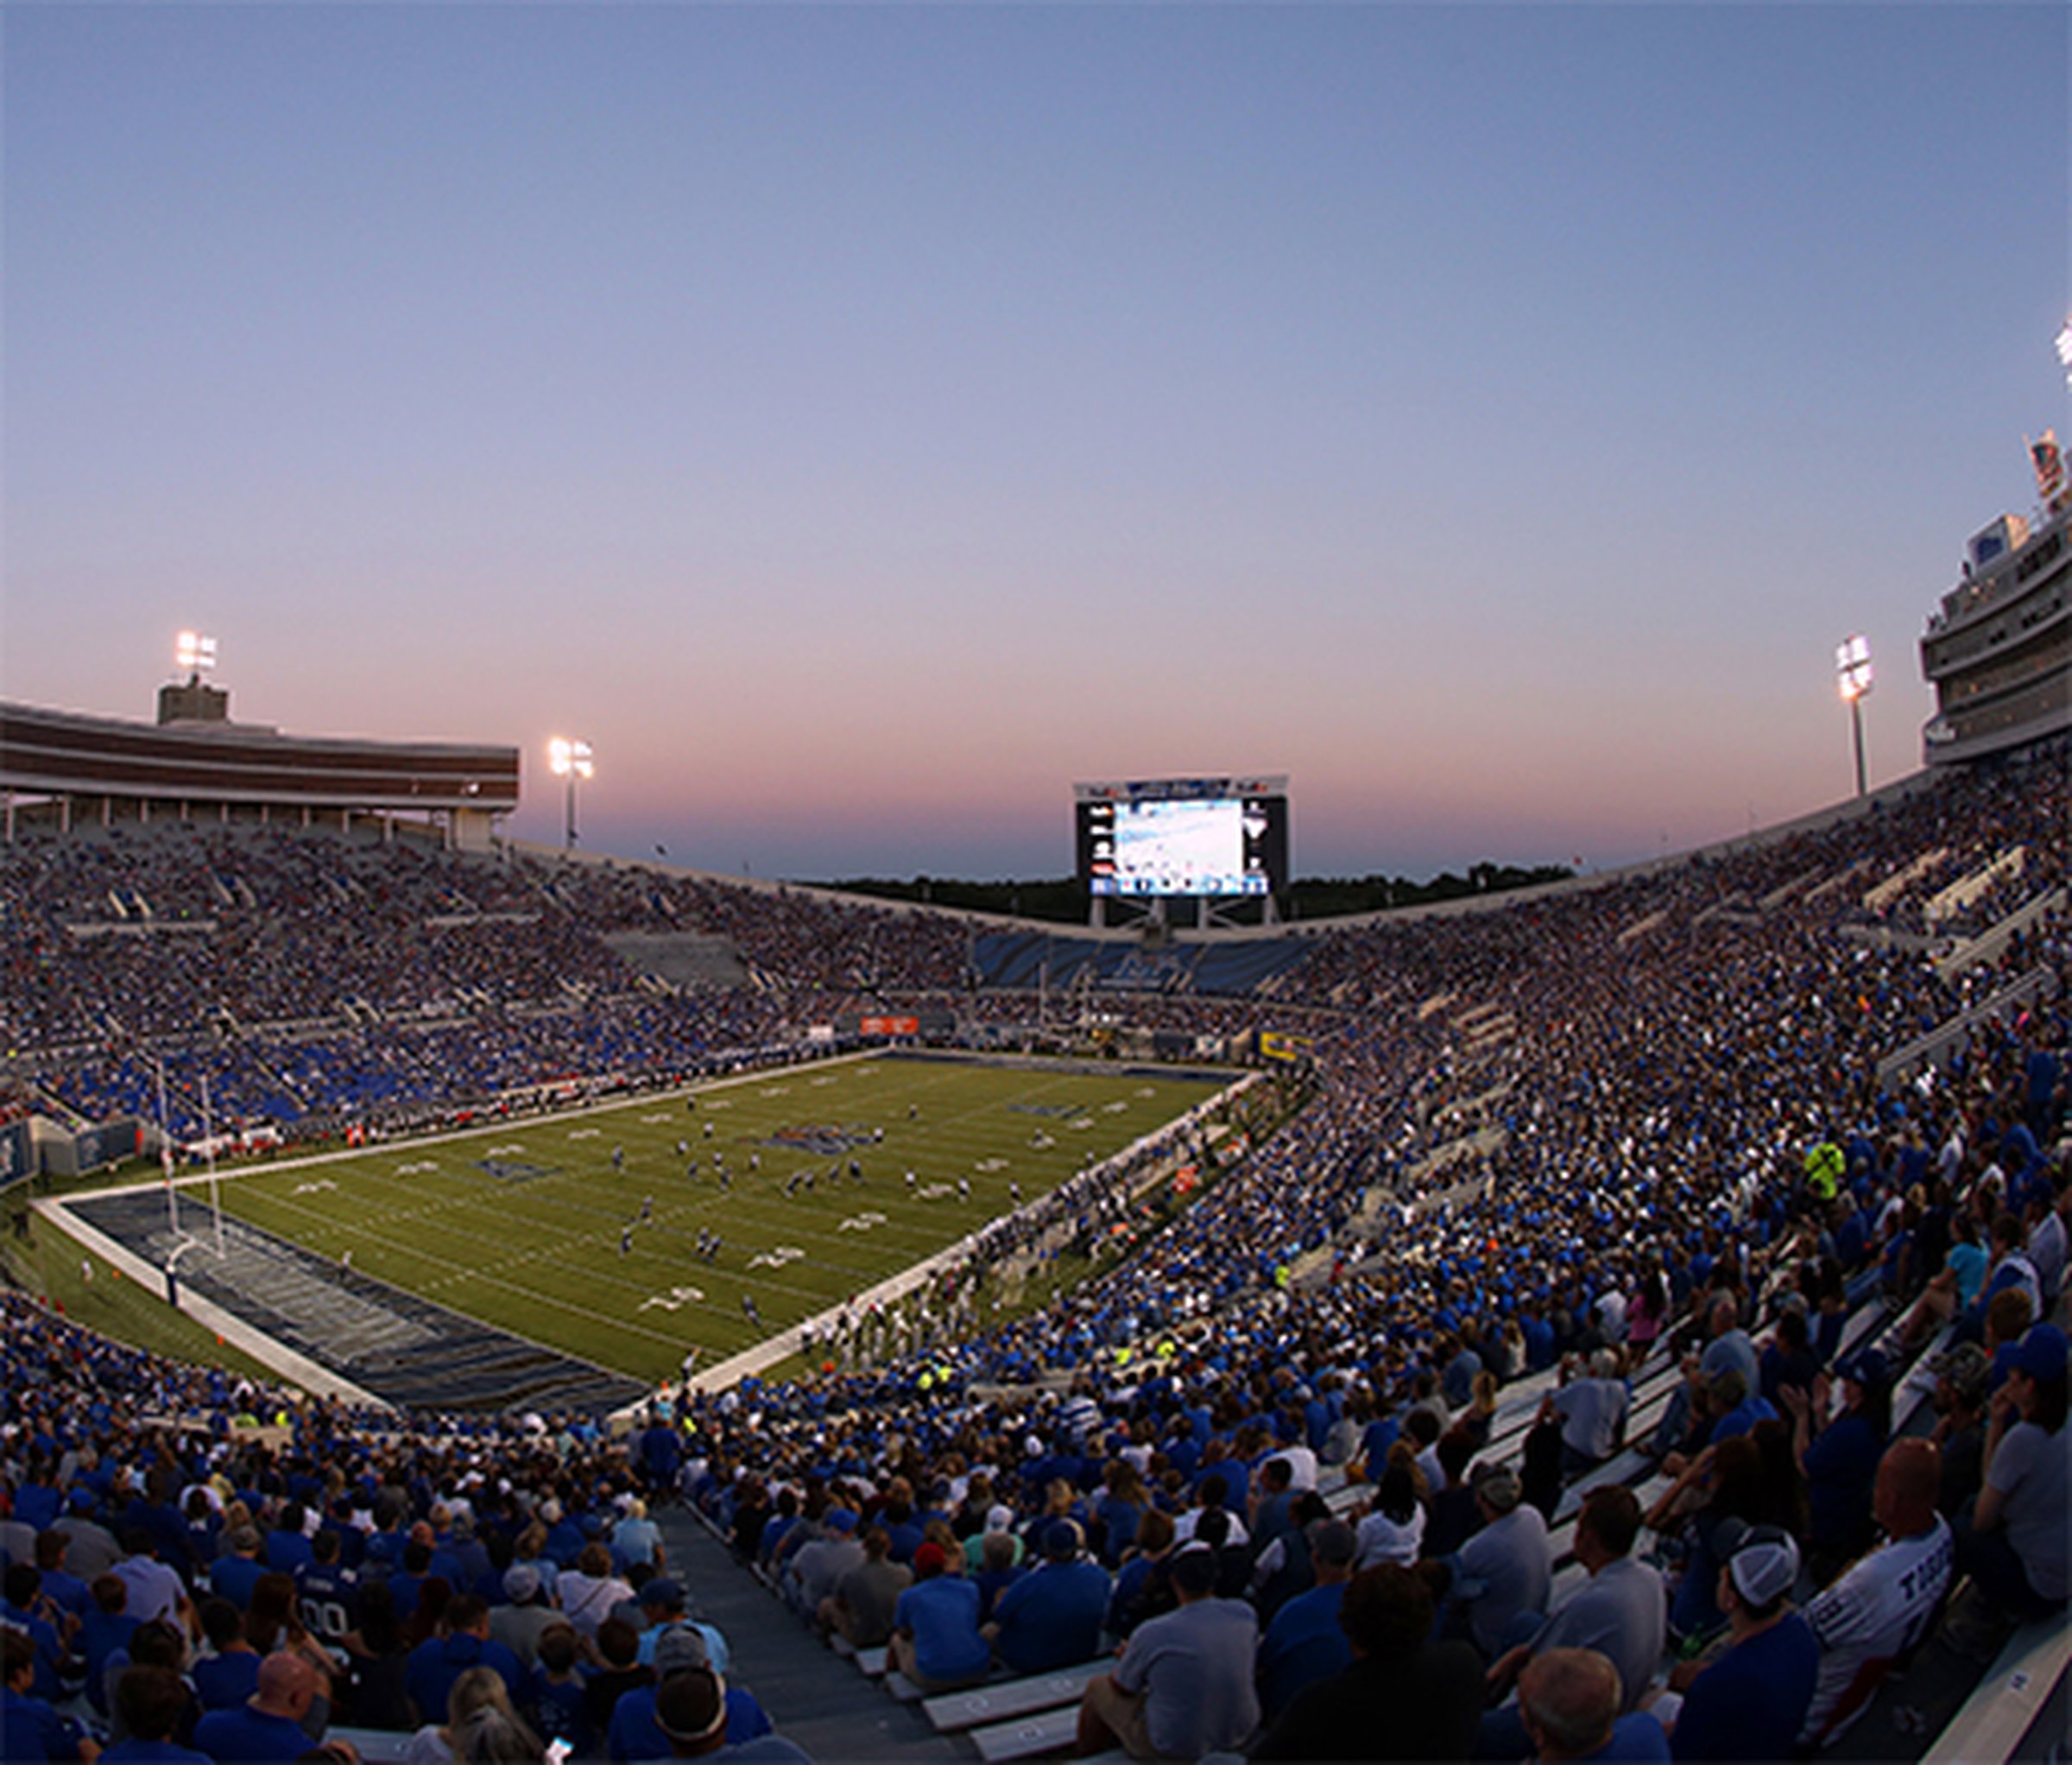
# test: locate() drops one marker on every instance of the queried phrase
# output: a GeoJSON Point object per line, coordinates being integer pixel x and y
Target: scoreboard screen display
{"type": "Point", "coordinates": [1149, 846]}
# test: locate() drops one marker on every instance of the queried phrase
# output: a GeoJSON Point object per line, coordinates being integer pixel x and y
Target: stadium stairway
{"type": "Point", "coordinates": [812, 1697]}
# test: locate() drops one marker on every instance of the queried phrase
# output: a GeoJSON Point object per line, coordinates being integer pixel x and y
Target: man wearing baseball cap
{"type": "Point", "coordinates": [1749, 1702]}
{"type": "Point", "coordinates": [2014, 1546]}
{"type": "Point", "coordinates": [636, 1731]}
{"type": "Point", "coordinates": [664, 1607]}
{"type": "Point", "coordinates": [1507, 1569]}
{"type": "Point", "coordinates": [822, 1560]}
{"type": "Point", "coordinates": [692, 1714]}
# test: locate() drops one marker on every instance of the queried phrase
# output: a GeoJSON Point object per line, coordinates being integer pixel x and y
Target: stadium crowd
{"type": "Point", "coordinates": [1579, 1141]}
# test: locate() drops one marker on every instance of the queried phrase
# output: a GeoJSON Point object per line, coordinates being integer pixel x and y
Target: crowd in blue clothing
{"type": "Point", "coordinates": [1570, 1140]}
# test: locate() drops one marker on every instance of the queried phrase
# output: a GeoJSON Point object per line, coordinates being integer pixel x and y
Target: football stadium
{"type": "Point", "coordinates": [433, 1255]}
{"type": "Point", "coordinates": [488, 1276]}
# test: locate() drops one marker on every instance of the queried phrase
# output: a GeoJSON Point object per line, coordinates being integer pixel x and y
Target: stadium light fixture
{"type": "Point", "coordinates": [2064, 350]}
{"type": "Point", "coordinates": [1853, 675]}
{"type": "Point", "coordinates": [570, 760]}
{"type": "Point", "coordinates": [194, 653]}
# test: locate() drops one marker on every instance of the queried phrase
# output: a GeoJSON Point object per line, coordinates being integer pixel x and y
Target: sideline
{"type": "Point", "coordinates": [296, 1369]}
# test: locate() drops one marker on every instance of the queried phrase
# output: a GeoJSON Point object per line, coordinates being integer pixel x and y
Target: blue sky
{"type": "Point", "coordinates": [860, 422]}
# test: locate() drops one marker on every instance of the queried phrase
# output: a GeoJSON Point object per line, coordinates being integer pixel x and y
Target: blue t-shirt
{"type": "Point", "coordinates": [1750, 1703]}
{"type": "Point", "coordinates": [245, 1733]}
{"type": "Point", "coordinates": [1968, 1263]}
{"type": "Point", "coordinates": [221, 1680]}
{"type": "Point", "coordinates": [633, 1735]}
{"type": "Point", "coordinates": [30, 1729]}
{"type": "Point", "coordinates": [1841, 1465]}
{"type": "Point", "coordinates": [1052, 1618]}
{"type": "Point", "coordinates": [943, 1614]}
{"type": "Point", "coordinates": [437, 1661]}
{"type": "Point", "coordinates": [1638, 1739]}
{"type": "Point", "coordinates": [1302, 1645]}
{"type": "Point", "coordinates": [137, 1752]}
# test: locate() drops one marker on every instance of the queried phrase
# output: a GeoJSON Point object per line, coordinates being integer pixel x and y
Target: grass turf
{"type": "Point", "coordinates": [48, 1264]}
{"type": "Point", "coordinates": [533, 1226]}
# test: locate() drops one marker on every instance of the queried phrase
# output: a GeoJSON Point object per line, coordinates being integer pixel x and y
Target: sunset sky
{"type": "Point", "coordinates": [861, 422]}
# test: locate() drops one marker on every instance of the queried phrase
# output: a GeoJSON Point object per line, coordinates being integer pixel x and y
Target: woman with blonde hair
{"type": "Point", "coordinates": [1481, 1414]}
{"type": "Point", "coordinates": [1123, 1506]}
{"type": "Point", "coordinates": [637, 1540]}
{"type": "Point", "coordinates": [480, 1724]}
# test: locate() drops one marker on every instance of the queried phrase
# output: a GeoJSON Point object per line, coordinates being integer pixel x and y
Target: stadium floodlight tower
{"type": "Point", "coordinates": [570, 760]}
{"type": "Point", "coordinates": [2064, 350]}
{"type": "Point", "coordinates": [1852, 676]}
{"type": "Point", "coordinates": [194, 653]}
{"type": "Point", "coordinates": [188, 698]}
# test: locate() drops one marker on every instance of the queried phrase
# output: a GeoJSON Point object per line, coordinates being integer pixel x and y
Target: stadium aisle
{"type": "Point", "coordinates": [812, 1697]}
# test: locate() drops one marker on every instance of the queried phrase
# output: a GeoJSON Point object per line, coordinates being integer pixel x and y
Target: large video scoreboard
{"type": "Point", "coordinates": [1207, 837]}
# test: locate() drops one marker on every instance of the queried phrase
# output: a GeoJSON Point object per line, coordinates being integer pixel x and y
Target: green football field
{"type": "Point", "coordinates": [538, 1229]}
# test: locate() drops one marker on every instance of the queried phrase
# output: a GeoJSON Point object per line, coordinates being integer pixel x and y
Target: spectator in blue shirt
{"type": "Point", "coordinates": [151, 1703]}
{"type": "Point", "coordinates": [29, 1728]}
{"type": "Point", "coordinates": [935, 1640]}
{"type": "Point", "coordinates": [1749, 1702]}
{"type": "Point", "coordinates": [268, 1728]}
{"type": "Point", "coordinates": [1304, 1644]}
{"type": "Point", "coordinates": [1052, 1618]}
{"type": "Point", "coordinates": [1840, 1460]}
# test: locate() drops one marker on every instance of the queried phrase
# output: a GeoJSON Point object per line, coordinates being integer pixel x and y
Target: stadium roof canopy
{"type": "Point", "coordinates": [65, 754]}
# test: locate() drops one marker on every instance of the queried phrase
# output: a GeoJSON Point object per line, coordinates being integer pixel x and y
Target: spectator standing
{"type": "Point", "coordinates": [1841, 1461]}
{"type": "Point", "coordinates": [1305, 1643]}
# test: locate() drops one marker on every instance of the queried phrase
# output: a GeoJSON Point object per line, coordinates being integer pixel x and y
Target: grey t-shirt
{"type": "Point", "coordinates": [1736, 1349]}
{"type": "Point", "coordinates": [1593, 1412]}
{"type": "Point", "coordinates": [871, 1591]}
{"type": "Point", "coordinates": [1511, 1555]}
{"type": "Point", "coordinates": [2030, 1470]}
{"type": "Point", "coordinates": [1621, 1612]}
{"type": "Point", "coordinates": [1195, 1666]}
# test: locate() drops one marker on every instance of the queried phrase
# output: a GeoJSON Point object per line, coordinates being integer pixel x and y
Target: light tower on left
{"type": "Point", "coordinates": [570, 760]}
{"type": "Point", "coordinates": [194, 700]}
